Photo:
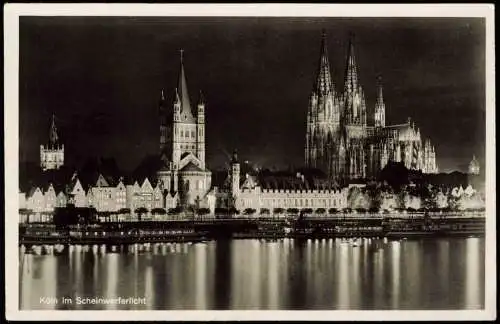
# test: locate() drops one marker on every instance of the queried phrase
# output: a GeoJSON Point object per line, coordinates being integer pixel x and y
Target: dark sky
{"type": "Point", "coordinates": [102, 78]}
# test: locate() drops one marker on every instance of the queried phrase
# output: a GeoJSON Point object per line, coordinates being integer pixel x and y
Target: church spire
{"type": "Point", "coordinates": [380, 105]}
{"type": "Point", "coordinates": [380, 94]}
{"type": "Point", "coordinates": [201, 98]}
{"type": "Point", "coordinates": [53, 138]}
{"type": "Point", "coordinates": [351, 76]}
{"type": "Point", "coordinates": [324, 84]}
{"type": "Point", "coordinates": [186, 113]}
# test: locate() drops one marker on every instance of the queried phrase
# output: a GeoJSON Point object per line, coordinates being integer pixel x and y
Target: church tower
{"type": "Point", "coordinates": [200, 130]}
{"type": "Point", "coordinates": [235, 175]}
{"type": "Point", "coordinates": [474, 166]}
{"type": "Point", "coordinates": [353, 97]}
{"type": "Point", "coordinates": [380, 106]}
{"type": "Point", "coordinates": [185, 124]}
{"type": "Point", "coordinates": [182, 145]}
{"type": "Point", "coordinates": [52, 154]}
{"type": "Point", "coordinates": [354, 117]}
{"type": "Point", "coordinates": [323, 118]}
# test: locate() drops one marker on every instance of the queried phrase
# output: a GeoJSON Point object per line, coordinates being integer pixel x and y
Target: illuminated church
{"type": "Point", "coordinates": [182, 146]}
{"type": "Point", "coordinates": [339, 140]}
{"type": "Point", "coordinates": [52, 154]}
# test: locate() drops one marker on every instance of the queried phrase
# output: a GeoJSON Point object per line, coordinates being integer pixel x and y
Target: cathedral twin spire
{"type": "Point", "coordinates": [380, 106]}
{"type": "Point", "coordinates": [351, 76]}
{"type": "Point", "coordinates": [339, 149]}
{"type": "Point", "coordinates": [353, 95]}
{"type": "Point", "coordinates": [324, 84]}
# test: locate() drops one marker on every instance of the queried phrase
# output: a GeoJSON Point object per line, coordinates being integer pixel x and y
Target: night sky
{"type": "Point", "coordinates": [102, 78]}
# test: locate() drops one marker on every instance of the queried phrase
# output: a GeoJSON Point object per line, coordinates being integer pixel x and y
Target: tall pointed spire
{"type": "Point", "coordinates": [53, 138]}
{"type": "Point", "coordinates": [380, 105]}
{"type": "Point", "coordinates": [186, 113]}
{"type": "Point", "coordinates": [201, 99]}
{"type": "Point", "coordinates": [351, 76]}
{"type": "Point", "coordinates": [380, 94]}
{"type": "Point", "coordinates": [324, 82]}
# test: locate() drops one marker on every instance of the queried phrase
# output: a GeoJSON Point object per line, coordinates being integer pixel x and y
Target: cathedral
{"type": "Point", "coordinates": [182, 146]}
{"type": "Point", "coordinates": [339, 140]}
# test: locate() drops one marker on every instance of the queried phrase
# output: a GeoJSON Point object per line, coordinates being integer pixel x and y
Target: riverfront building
{"type": "Point", "coordinates": [266, 192]}
{"type": "Point", "coordinates": [341, 142]}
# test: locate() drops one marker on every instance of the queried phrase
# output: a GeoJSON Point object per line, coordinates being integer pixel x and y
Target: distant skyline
{"type": "Point", "coordinates": [102, 79]}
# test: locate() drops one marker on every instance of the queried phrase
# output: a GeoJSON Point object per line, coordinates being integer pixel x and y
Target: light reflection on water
{"type": "Point", "coordinates": [325, 274]}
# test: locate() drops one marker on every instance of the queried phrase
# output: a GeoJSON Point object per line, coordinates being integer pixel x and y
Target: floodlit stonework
{"type": "Point", "coordinates": [52, 154]}
{"type": "Point", "coordinates": [339, 139]}
{"type": "Point", "coordinates": [474, 166]}
{"type": "Point", "coordinates": [182, 148]}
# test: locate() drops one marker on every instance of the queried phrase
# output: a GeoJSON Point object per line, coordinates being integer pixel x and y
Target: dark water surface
{"type": "Point", "coordinates": [327, 274]}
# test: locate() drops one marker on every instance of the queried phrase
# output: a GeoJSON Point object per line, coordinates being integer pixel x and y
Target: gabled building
{"type": "Point", "coordinates": [102, 195]}
{"type": "Point", "coordinates": [146, 195]}
{"type": "Point", "coordinates": [35, 200]}
{"type": "Point", "coordinates": [61, 199]}
{"type": "Point", "coordinates": [77, 194]}
{"type": "Point", "coordinates": [50, 198]}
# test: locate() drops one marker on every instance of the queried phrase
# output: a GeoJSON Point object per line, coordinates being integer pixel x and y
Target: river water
{"type": "Point", "coordinates": [326, 274]}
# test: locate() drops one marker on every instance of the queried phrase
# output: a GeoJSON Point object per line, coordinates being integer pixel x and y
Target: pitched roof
{"type": "Point", "coordinates": [59, 178]}
{"type": "Point", "coordinates": [183, 97]}
{"type": "Point", "coordinates": [191, 167]}
{"type": "Point", "coordinates": [294, 181]}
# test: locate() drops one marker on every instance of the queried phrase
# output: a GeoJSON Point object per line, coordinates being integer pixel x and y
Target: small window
{"type": "Point", "coordinates": [192, 134]}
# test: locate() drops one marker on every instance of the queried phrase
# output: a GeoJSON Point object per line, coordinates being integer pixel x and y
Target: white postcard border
{"type": "Point", "coordinates": [12, 12]}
